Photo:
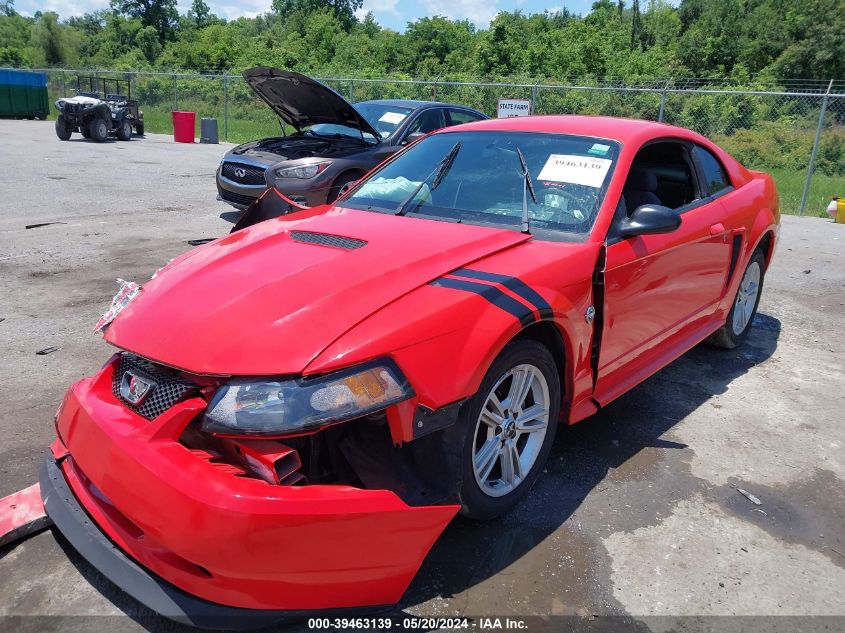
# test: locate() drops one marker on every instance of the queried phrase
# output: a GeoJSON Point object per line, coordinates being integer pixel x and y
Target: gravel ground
{"type": "Point", "coordinates": [638, 514]}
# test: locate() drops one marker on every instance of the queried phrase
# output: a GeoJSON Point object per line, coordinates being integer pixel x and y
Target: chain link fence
{"type": "Point", "coordinates": [796, 131]}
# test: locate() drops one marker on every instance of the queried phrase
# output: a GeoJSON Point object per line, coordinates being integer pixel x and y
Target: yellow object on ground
{"type": "Point", "coordinates": [836, 209]}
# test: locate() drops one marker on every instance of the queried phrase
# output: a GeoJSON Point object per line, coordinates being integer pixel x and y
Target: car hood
{"type": "Point", "coordinates": [301, 101]}
{"type": "Point", "coordinates": [268, 299]}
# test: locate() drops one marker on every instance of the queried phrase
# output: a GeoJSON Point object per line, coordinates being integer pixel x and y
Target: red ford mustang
{"type": "Point", "coordinates": [298, 409]}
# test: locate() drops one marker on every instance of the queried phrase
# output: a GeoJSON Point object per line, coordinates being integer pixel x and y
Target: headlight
{"type": "Point", "coordinates": [305, 171]}
{"type": "Point", "coordinates": [266, 407]}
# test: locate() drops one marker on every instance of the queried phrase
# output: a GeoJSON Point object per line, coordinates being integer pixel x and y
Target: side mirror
{"type": "Point", "coordinates": [649, 219]}
{"type": "Point", "coordinates": [412, 137]}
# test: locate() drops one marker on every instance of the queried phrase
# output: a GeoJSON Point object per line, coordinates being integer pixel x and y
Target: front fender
{"type": "Point", "coordinates": [445, 335]}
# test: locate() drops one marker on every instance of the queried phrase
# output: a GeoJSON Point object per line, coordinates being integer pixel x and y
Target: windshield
{"type": "Point", "coordinates": [385, 119]}
{"type": "Point", "coordinates": [485, 183]}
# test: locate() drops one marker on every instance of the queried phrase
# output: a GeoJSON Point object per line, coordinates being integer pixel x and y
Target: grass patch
{"type": "Point", "coordinates": [239, 130]}
{"type": "Point", "coordinates": [790, 184]}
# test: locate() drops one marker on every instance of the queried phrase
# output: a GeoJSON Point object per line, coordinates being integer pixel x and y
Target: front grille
{"type": "Point", "coordinates": [327, 239]}
{"type": "Point", "coordinates": [169, 388]}
{"type": "Point", "coordinates": [237, 198]}
{"type": "Point", "coordinates": [252, 175]}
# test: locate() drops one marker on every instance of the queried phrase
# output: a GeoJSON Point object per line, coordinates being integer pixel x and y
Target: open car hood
{"type": "Point", "coordinates": [301, 101]}
{"type": "Point", "coordinates": [268, 299]}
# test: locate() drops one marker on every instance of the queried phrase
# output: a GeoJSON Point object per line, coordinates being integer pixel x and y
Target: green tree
{"type": "Point", "coordinates": [343, 10]}
{"type": "Point", "coordinates": [49, 41]}
{"type": "Point", "coordinates": [200, 14]}
{"type": "Point", "coordinates": [159, 14]}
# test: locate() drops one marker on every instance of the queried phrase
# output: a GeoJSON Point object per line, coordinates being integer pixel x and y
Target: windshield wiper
{"type": "Point", "coordinates": [438, 173]}
{"type": "Point", "coordinates": [527, 187]}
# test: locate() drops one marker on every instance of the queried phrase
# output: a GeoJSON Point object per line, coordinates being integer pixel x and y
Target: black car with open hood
{"type": "Point", "coordinates": [301, 101]}
{"type": "Point", "coordinates": [332, 144]}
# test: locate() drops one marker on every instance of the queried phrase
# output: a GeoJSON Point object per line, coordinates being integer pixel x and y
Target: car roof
{"type": "Point", "coordinates": [605, 127]}
{"type": "Point", "coordinates": [416, 103]}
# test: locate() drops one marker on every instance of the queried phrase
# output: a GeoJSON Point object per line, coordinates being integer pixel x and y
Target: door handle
{"type": "Point", "coordinates": [716, 229]}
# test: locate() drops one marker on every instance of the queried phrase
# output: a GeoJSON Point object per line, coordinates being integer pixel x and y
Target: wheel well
{"type": "Point", "coordinates": [348, 172]}
{"type": "Point", "coordinates": [765, 245]}
{"type": "Point", "coordinates": [548, 334]}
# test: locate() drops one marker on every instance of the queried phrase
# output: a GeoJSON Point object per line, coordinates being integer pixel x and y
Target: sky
{"type": "Point", "coordinates": [394, 14]}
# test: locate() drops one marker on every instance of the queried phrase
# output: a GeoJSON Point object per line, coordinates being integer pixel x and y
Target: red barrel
{"type": "Point", "coordinates": [184, 124]}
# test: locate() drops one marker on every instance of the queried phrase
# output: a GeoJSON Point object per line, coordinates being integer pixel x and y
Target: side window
{"type": "Point", "coordinates": [456, 117]}
{"type": "Point", "coordinates": [713, 173]}
{"type": "Point", "coordinates": [661, 173]}
{"type": "Point", "coordinates": [427, 121]}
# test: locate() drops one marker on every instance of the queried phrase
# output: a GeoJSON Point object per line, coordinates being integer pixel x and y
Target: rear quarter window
{"type": "Point", "coordinates": [456, 117]}
{"type": "Point", "coordinates": [715, 178]}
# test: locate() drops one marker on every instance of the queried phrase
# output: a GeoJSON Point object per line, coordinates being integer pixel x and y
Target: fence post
{"type": "Point", "coordinates": [662, 106]}
{"type": "Point", "coordinates": [225, 107]}
{"type": "Point", "coordinates": [175, 95]}
{"type": "Point", "coordinates": [64, 86]}
{"type": "Point", "coordinates": [534, 93]}
{"type": "Point", "coordinates": [812, 165]}
{"type": "Point", "coordinates": [351, 91]}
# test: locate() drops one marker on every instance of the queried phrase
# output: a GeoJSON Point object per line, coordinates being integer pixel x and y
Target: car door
{"type": "Point", "coordinates": [429, 120]}
{"type": "Point", "coordinates": [661, 291]}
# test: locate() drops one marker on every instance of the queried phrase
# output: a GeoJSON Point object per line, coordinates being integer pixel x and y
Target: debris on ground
{"type": "Point", "coordinates": [201, 241]}
{"type": "Point", "coordinates": [47, 350]}
{"type": "Point", "coordinates": [40, 224]}
{"type": "Point", "coordinates": [22, 514]}
{"type": "Point", "coordinates": [750, 497]}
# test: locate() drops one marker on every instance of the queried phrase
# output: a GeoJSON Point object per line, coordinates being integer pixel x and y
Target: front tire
{"type": "Point", "coordinates": [139, 129]}
{"type": "Point", "coordinates": [509, 426]}
{"type": "Point", "coordinates": [124, 131]}
{"type": "Point", "coordinates": [98, 128]}
{"type": "Point", "coordinates": [741, 315]}
{"type": "Point", "coordinates": [63, 130]}
{"type": "Point", "coordinates": [340, 186]}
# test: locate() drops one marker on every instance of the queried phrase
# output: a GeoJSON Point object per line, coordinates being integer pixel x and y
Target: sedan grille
{"type": "Point", "coordinates": [243, 173]}
{"type": "Point", "coordinates": [237, 198]}
{"type": "Point", "coordinates": [168, 390]}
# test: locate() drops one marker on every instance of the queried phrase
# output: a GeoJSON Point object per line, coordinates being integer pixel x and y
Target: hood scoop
{"type": "Point", "coordinates": [327, 239]}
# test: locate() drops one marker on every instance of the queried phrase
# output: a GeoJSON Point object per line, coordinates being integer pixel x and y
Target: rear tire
{"type": "Point", "coordinates": [98, 128]}
{"type": "Point", "coordinates": [63, 130]}
{"type": "Point", "coordinates": [508, 427]}
{"type": "Point", "coordinates": [139, 129]}
{"type": "Point", "coordinates": [744, 308]}
{"type": "Point", "coordinates": [124, 130]}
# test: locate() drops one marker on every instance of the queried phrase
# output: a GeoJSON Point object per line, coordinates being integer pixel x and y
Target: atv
{"type": "Point", "coordinates": [96, 112]}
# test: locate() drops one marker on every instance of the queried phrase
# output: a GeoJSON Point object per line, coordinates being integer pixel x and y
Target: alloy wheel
{"type": "Point", "coordinates": [510, 430]}
{"type": "Point", "coordinates": [746, 298]}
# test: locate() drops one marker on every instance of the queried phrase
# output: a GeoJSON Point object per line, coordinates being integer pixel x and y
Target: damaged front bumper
{"type": "Point", "coordinates": [201, 545]}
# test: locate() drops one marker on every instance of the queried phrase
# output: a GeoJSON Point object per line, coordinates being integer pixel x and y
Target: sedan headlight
{"type": "Point", "coordinates": [304, 171]}
{"type": "Point", "coordinates": [272, 408]}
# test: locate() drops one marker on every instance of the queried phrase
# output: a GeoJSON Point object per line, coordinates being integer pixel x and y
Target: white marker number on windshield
{"type": "Point", "coordinates": [576, 170]}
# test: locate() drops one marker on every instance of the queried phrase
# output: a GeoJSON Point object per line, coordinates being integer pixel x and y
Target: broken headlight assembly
{"type": "Point", "coordinates": [283, 407]}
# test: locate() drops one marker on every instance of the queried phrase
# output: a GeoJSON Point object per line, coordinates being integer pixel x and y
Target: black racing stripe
{"type": "Point", "coordinates": [493, 295]}
{"type": "Point", "coordinates": [515, 285]}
